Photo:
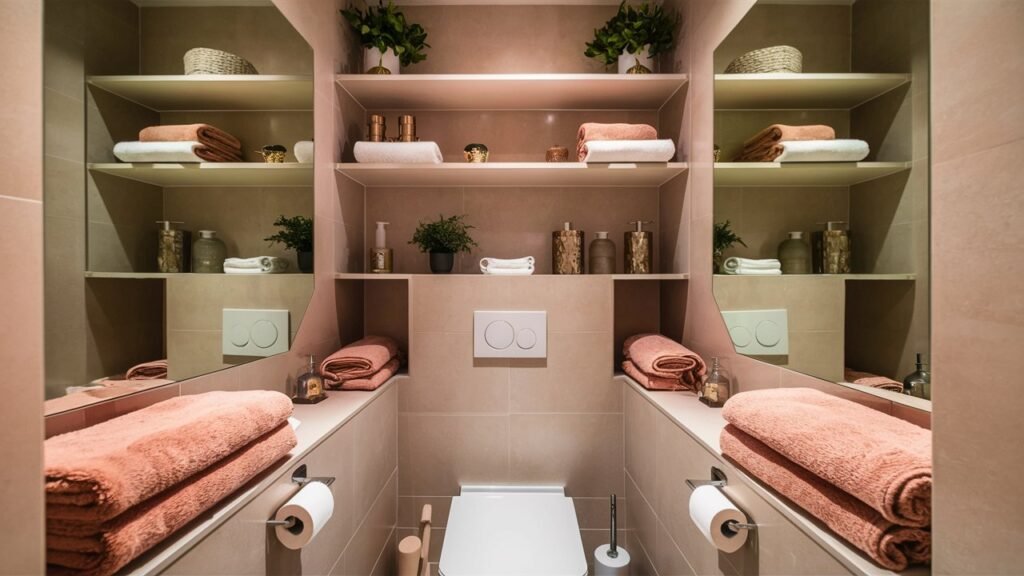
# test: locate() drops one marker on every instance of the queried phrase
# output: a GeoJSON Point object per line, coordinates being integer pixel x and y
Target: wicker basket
{"type": "Point", "coordinates": [210, 61]}
{"type": "Point", "coordinates": [768, 60]}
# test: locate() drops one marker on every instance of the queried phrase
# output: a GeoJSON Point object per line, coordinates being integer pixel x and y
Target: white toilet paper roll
{"type": "Point", "coordinates": [311, 507]}
{"type": "Point", "coordinates": [605, 565]}
{"type": "Point", "coordinates": [710, 510]}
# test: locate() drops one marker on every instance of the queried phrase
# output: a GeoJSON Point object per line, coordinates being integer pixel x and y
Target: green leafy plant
{"type": "Point", "coordinates": [725, 238]}
{"type": "Point", "coordinates": [296, 233]}
{"type": "Point", "coordinates": [630, 30]}
{"type": "Point", "coordinates": [384, 27]}
{"type": "Point", "coordinates": [444, 235]}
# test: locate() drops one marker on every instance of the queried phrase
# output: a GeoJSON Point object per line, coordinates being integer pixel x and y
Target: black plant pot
{"type": "Point", "coordinates": [305, 262]}
{"type": "Point", "coordinates": [442, 262]}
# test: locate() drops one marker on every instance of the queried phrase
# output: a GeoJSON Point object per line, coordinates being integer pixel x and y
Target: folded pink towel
{"type": "Point", "coordinates": [211, 137]}
{"type": "Point", "coordinates": [656, 355]}
{"type": "Point", "coordinates": [155, 370]}
{"type": "Point", "coordinates": [91, 548]}
{"type": "Point", "coordinates": [872, 380]}
{"type": "Point", "coordinates": [649, 381]}
{"type": "Point", "coordinates": [358, 360]}
{"type": "Point", "coordinates": [371, 382]}
{"type": "Point", "coordinates": [892, 546]}
{"type": "Point", "coordinates": [884, 461]}
{"type": "Point", "coordinates": [597, 131]}
{"type": "Point", "coordinates": [96, 473]}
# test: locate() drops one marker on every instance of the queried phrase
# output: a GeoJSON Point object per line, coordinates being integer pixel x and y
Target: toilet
{"type": "Point", "coordinates": [512, 530]}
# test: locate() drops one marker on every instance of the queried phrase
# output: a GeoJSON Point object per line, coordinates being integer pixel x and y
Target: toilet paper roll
{"type": "Point", "coordinates": [605, 565]}
{"type": "Point", "coordinates": [710, 510]}
{"type": "Point", "coordinates": [311, 507]}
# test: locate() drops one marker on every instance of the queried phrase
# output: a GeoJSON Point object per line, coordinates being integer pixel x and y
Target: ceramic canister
{"type": "Point", "coordinates": [639, 249]}
{"type": "Point", "coordinates": [567, 250]}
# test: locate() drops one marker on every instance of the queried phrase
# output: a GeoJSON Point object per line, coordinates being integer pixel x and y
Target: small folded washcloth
{"type": "Point", "coordinates": [507, 267]}
{"type": "Point", "coordinates": [359, 360]}
{"type": "Point", "coordinates": [824, 151]}
{"type": "Point", "coordinates": [175, 152]}
{"type": "Point", "coordinates": [397, 153]}
{"type": "Point", "coordinates": [664, 360]}
{"type": "Point", "coordinates": [758, 145]}
{"type": "Point", "coordinates": [155, 370]}
{"type": "Point", "coordinates": [872, 380]}
{"type": "Point", "coordinates": [256, 265]}
{"type": "Point", "coordinates": [208, 136]}
{"type": "Point", "coordinates": [597, 131]}
{"type": "Point", "coordinates": [608, 151]}
{"type": "Point", "coordinates": [752, 267]}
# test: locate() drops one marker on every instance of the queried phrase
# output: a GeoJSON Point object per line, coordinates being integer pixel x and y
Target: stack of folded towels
{"type": "Point", "coordinates": [397, 153]}
{"type": "Point", "coordinates": [813, 143]}
{"type": "Point", "coordinates": [872, 380]}
{"type": "Point", "coordinates": [622, 143]}
{"type": "Point", "coordinates": [116, 489]}
{"type": "Point", "coordinates": [256, 265]}
{"type": "Point", "coordinates": [147, 371]}
{"type": "Point", "coordinates": [507, 267]}
{"type": "Point", "coordinates": [181, 143]}
{"type": "Point", "coordinates": [659, 363]}
{"type": "Point", "coordinates": [864, 474]}
{"type": "Point", "coordinates": [362, 365]}
{"type": "Point", "coordinates": [752, 267]}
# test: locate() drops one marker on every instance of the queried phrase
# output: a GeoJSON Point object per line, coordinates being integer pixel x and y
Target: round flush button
{"type": "Point", "coordinates": [239, 335]}
{"type": "Point", "coordinates": [526, 339]}
{"type": "Point", "coordinates": [499, 335]}
{"type": "Point", "coordinates": [264, 334]}
{"type": "Point", "coordinates": [768, 333]}
{"type": "Point", "coordinates": [740, 336]}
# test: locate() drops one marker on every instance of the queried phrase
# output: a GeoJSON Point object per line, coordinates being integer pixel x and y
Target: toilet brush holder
{"type": "Point", "coordinates": [611, 559]}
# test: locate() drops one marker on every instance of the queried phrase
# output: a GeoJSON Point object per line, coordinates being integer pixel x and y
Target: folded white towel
{"type": "Point", "coordinates": [157, 152]}
{"type": "Point", "coordinates": [252, 271]}
{"type": "Point", "coordinates": [255, 265]}
{"type": "Point", "coordinates": [629, 151]}
{"type": "Point", "coordinates": [736, 263]}
{"type": "Point", "coordinates": [501, 263]}
{"type": "Point", "coordinates": [753, 272]}
{"type": "Point", "coordinates": [397, 153]}
{"type": "Point", "coordinates": [824, 151]}
{"type": "Point", "coordinates": [509, 271]}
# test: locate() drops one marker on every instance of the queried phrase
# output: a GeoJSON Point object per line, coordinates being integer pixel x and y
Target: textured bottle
{"type": "Point", "coordinates": [639, 249]}
{"type": "Point", "coordinates": [602, 255]}
{"type": "Point", "coordinates": [567, 250]}
{"type": "Point", "coordinates": [795, 254]}
{"type": "Point", "coordinates": [831, 249]}
{"type": "Point", "coordinates": [716, 388]}
{"type": "Point", "coordinates": [173, 248]}
{"type": "Point", "coordinates": [208, 253]}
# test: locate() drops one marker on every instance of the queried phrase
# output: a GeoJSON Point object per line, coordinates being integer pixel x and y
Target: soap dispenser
{"type": "Point", "coordinates": [380, 258]}
{"type": "Point", "coordinates": [919, 382]}
{"type": "Point", "coordinates": [831, 249]}
{"type": "Point", "coordinates": [602, 255]}
{"type": "Point", "coordinates": [567, 250]}
{"type": "Point", "coordinates": [639, 249]}
{"type": "Point", "coordinates": [174, 248]}
{"type": "Point", "coordinates": [716, 388]}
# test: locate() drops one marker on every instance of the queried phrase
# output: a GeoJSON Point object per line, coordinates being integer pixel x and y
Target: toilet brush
{"type": "Point", "coordinates": [610, 559]}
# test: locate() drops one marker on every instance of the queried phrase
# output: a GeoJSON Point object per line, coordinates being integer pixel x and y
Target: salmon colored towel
{"type": "Point", "coordinates": [872, 380]}
{"type": "Point", "coordinates": [651, 382]}
{"type": "Point", "coordinates": [155, 370]}
{"type": "Point", "coordinates": [883, 461]}
{"type": "Point", "coordinates": [100, 549]}
{"type": "Point", "coordinates": [893, 546]}
{"type": "Point", "coordinates": [656, 355]}
{"type": "Point", "coordinates": [371, 382]}
{"type": "Point", "coordinates": [359, 360]}
{"type": "Point", "coordinates": [98, 472]}
{"type": "Point", "coordinates": [763, 146]}
{"type": "Point", "coordinates": [208, 136]}
{"type": "Point", "coordinates": [597, 131]}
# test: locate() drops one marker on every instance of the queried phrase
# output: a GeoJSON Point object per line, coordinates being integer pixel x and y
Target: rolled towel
{"type": "Point", "coordinates": [742, 271]}
{"type": "Point", "coordinates": [872, 380]}
{"type": "Point", "coordinates": [256, 265]}
{"type": "Point", "coordinates": [824, 151]}
{"type": "Point", "coordinates": [598, 151]}
{"type": "Point", "coordinates": [155, 370]}
{"type": "Point", "coordinates": [371, 382]}
{"type": "Point", "coordinates": [893, 546]}
{"type": "Point", "coordinates": [656, 355]}
{"type": "Point", "coordinates": [650, 381]}
{"type": "Point", "coordinates": [597, 131]}
{"type": "Point", "coordinates": [782, 132]}
{"type": "Point", "coordinates": [506, 264]}
{"type": "Point", "coordinates": [884, 461]}
{"type": "Point", "coordinates": [397, 153]}
{"type": "Point", "coordinates": [206, 135]}
{"type": "Point", "coordinates": [175, 152]}
{"type": "Point", "coordinates": [96, 473]}
{"type": "Point", "coordinates": [360, 359]}
{"type": "Point", "coordinates": [509, 271]}
{"type": "Point", "coordinates": [731, 265]}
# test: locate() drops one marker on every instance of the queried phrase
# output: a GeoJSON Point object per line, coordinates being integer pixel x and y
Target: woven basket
{"type": "Point", "coordinates": [768, 60]}
{"type": "Point", "coordinates": [210, 61]}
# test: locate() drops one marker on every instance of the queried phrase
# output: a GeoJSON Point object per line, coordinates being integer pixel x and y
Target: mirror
{"type": "Point", "coordinates": [120, 291]}
{"type": "Point", "coordinates": [845, 298]}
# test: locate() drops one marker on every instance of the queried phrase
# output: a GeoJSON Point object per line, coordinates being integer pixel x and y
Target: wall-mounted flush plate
{"type": "Point", "coordinates": [759, 332]}
{"type": "Point", "coordinates": [254, 332]}
{"type": "Point", "coordinates": [515, 334]}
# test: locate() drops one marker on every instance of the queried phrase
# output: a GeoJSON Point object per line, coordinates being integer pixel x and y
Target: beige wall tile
{"type": "Point", "coordinates": [440, 452]}
{"type": "Point", "coordinates": [372, 536]}
{"type": "Point", "coordinates": [445, 304]}
{"type": "Point", "coordinates": [446, 377]}
{"type": "Point", "coordinates": [825, 46]}
{"type": "Point", "coordinates": [576, 378]}
{"type": "Point", "coordinates": [573, 303]}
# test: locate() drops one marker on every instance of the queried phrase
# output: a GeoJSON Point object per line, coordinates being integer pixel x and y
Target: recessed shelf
{"type": "Point", "coordinates": [370, 276]}
{"type": "Point", "coordinates": [904, 277]}
{"type": "Point", "coordinates": [556, 174]}
{"type": "Point", "coordinates": [220, 174]}
{"type": "Point", "coordinates": [679, 276]}
{"type": "Point", "coordinates": [209, 92]}
{"type": "Point", "coordinates": [166, 275]}
{"type": "Point", "coordinates": [803, 174]}
{"type": "Point", "coordinates": [801, 91]}
{"type": "Point", "coordinates": [411, 92]}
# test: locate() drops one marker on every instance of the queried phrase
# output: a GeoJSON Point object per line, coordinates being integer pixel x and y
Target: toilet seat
{"type": "Point", "coordinates": [512, 531]}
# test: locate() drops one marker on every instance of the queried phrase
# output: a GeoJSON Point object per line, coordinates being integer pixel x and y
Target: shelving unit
{"type": "Point", "coordinates": [801, 91]}
{"type": "Point", "coordinates": [220, 174]}
{"type": "Point", "coordinates": [165, 93]}
{"type": "Point", "coordinates": [847, 277]}
{"type": "Point", "coordinates": [807, 174]}
{"type": "Point", "coordinates": [539, 174]}
{"type": "Point", "coordinates": [613, 277]}
{"type": "Point", "coordinates": [166, 275]}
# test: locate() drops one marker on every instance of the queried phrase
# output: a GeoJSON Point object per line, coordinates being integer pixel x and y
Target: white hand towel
{"type": "Point", "coordinates": [397, 153]}
{"type": "Point", "coordinates": [509, 271]}
{"type": "Point", "coordinates": [157, 152]}
{"type": "Point", "coordinates": [824, 151]}
{"type": "Point", "coordinates": [245, 271]}
{"type": "Point", "coordinates": [753, 272]}
{"type": "Point", "coordinates": [255, 265]}
{"type": "Point", "coordinates": [500, 263]}
{"type": "Point", "coordinates": [736, 263]}
{"type": "Point", "coordinates": [604, 151]}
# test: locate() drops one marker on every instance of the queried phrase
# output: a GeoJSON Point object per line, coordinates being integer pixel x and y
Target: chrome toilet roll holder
{"type": "Point", "coordinates": [720, 480]}
{"type": "Point", "coordinates": [300, 477]}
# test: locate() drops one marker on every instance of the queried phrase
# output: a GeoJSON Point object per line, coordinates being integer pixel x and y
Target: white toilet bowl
{"type": "Point", "coordinates": [512, 531]}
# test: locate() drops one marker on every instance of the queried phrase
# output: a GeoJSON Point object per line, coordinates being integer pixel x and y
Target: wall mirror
{"type": "Point", "coordinates": [120, 290]}
{"type": "Point", "coordinates": [822, 231]}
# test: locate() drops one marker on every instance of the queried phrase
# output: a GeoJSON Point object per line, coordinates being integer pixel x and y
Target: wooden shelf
{"type": "Point", "coordinates": [554, 174]}
{"type": "Point", "coordinates": [368, 276]}
{"type": "Point", "coordinates": [801, 91]}
{"type": "Point", "coordinates": [208, 92]}
{"type": "Point", "coordinates": [412, 92]}
{"type": "Point", "coordinates": [906, 277]}
{"type": "Point", "coordinates": [220, 174]}
{"type": "Point", "coordinates": [166, 275]}
{"type": "Point", "coordinates": [371, 276]}
{"type": "Point", "coordinates": [803, 174]}
{"type": "Point", "coordinates": [680, 276]}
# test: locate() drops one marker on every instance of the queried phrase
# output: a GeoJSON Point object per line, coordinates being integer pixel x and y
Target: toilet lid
{"type": "Point", "coordinates": [512, 533]}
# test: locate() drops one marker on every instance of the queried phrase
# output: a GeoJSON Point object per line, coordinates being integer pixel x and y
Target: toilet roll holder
{"type": "Point", "coordinates": [720, 480]}
{"type": "Point", "coordinates": [300, 477]}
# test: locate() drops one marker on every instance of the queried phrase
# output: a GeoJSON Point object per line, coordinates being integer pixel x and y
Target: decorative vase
{"type": "Point", "coordinates": [305, 262]}
{"type": "Point", "coordinates": [476, 153]}
{"type": "Point", "coordinates": [640, 63]}
{"type": "Point", "coordinates": [795, 254]}
{"type": "Point", "coordinates": [208, 253]}
{"type": "Point", "coordinates": [602, 255]}
{"type": "Point", "coordinates": [304, 151]}
{"type": "Point", "coordinates": [376, 63]}
{"type": "Point", "coordinates": [442, 262]}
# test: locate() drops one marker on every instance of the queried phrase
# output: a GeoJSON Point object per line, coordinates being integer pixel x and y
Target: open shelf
{"type": "Point", "coordinates": [370, 276]}
{"type": "Point", "coordinates": [513, 174]}
{"type": "Point", "coordinates": [166, 275]}
{"type": "Point", "coordinates": [803, 174]}
{"type": "Point", "coordinates": [801, 91]}
{"type": "Point", "coordinates": [411, 92]}
{"type": "Point", "coordinates": [220, 174]}
{"type": "Point", "coordinates": [904, 277]}
{"type": "Point", "coordinates": [210, 92]}
{"type": "Point", "coordinates": [679, 276]}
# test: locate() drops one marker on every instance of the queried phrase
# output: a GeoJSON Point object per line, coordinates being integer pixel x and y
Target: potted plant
{"type": "Point", "coordinates": [633, 37]}
{"type": "Point", "coordinates": [443, 238]}
{"type": "Point", "coordinates": [725, 238]}
{"type": "Point", "coordinates": [389, 42]}
{"type": "Point", "coordinates": [296, 234]}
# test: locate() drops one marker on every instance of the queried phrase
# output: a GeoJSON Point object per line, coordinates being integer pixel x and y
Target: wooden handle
{"type": "Point", "coordinates": [409, 556]}
{"type": "Point", "coordinates": [425, 552]}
